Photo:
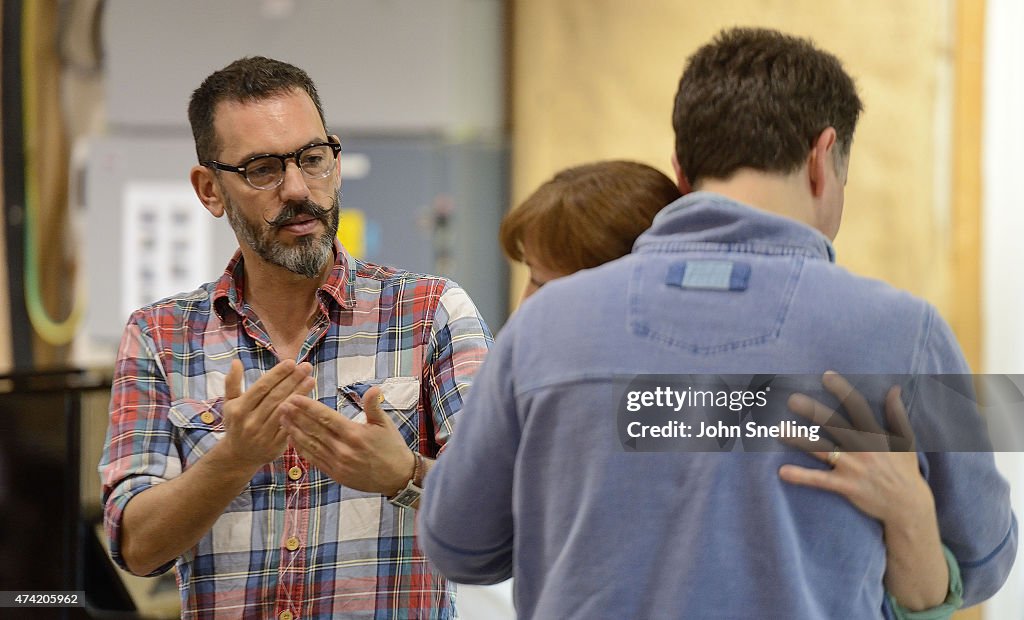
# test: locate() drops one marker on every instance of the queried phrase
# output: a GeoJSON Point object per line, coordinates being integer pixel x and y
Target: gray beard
{"type": "Point", "coordinates": [309, 256]}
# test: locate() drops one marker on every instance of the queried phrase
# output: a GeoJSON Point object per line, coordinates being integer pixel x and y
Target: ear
{"type": "Point", "coordinates": [337, 160]}
{"type": "Point", "coordinates": [681, 181]}
{"type": "Point", "coordinates": [205, 185]}
{"type": "Point", "coordinates": [819, 160]}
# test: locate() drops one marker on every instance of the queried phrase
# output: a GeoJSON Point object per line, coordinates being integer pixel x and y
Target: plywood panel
{"type": "Point", "coordinates": [965, 256]}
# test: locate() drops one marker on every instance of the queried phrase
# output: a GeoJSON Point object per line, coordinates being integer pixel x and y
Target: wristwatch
{"type": "Point", "coordinates": [409, 497]}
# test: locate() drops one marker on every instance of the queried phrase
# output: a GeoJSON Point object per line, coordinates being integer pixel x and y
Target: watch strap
{"type": "Point", "coordinates": [409, 496]}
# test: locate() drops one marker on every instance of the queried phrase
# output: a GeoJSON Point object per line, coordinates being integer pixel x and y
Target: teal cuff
{"type": "Point", "coordinates": [954, 599]}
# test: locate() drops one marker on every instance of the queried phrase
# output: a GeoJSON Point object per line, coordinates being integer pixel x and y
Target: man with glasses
{"type": "Point", "coordinates": [270, 431]}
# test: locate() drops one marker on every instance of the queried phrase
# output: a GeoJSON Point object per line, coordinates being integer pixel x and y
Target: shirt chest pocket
{"type": "Point", "coordinates": [199, 426]}
{"type": "Point", "coordinates": [401, 401]}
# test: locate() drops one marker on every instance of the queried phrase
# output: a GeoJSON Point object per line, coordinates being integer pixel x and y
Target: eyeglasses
{"type": "Point", "coordinates": [267, 171]}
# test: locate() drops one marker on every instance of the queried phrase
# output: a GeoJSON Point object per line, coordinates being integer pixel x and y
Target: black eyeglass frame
{"type": "Point", "coordinates": [283, 158]}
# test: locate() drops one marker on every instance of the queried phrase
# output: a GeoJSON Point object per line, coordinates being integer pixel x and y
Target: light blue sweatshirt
{"type": "Point", "coordinates": [535, 482]}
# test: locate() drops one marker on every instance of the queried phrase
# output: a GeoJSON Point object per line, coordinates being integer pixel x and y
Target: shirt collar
{"type": "Point", "coordinates": [229, 290]}
{"type": "Point", "coordinates": [709, 218]}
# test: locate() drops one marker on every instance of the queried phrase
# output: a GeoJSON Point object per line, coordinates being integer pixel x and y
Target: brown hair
{"type": "Point", "coordinates": [253, 78]}
{"type": "Point", "coordinates": [757, 98]}
{"type": "Point", "coordinates": [587, 215]}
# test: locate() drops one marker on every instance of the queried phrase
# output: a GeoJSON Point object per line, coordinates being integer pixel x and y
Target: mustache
{"type": "Point", "coordinates": [294, 209]}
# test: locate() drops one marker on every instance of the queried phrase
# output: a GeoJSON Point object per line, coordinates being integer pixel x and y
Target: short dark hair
{"type": "Point", "coordinates": [248, 79]}
{"type": "Point", "coordinates": [758, 98]}
{"type": "Point", "coordinates": [587, 215]}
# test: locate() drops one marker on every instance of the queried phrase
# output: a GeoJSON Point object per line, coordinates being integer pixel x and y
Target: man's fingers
{"type": "Point", "coordinates": [306, 417]}
{"type": "Point", "coordinates": [278, 387]}
{"type": "Point", "coordinates": [302, 434]}
{"type": "Point", "coordinates": [233, 382]}
{"type": "Point", "coordinates": [311, 416]}
{"type": "Point", "coordinates": [281, 434]}
{"type": "Point", "coordinates": [305, 386]}
{"type": "Point", "coordinates": [371, 405]}
{"type": "Point", "coordinates": [298, 382]}
{"type": "Point", "coordinates": [263, 386]}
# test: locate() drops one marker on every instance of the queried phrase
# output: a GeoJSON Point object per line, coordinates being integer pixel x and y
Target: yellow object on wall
{"type": "Point", "coordinates": [352, 231]}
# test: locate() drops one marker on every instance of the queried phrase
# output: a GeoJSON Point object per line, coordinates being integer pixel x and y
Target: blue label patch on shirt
{"type": "Point", "coordinates": [711, 275]}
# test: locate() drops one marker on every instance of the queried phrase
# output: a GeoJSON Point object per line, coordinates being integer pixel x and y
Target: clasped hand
{"type": "Point", "coordinates": [371, 456]}
{"type": "Point", "coordinates": [276, 410]}
{"type": "Point", "coordinates": [876, 470]}
{"type": "Point", "coordinates": [254, 435]}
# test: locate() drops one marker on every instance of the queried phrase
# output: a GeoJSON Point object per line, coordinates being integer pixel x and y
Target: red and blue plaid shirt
{"type": "Point", "coordinates": [419, 337]}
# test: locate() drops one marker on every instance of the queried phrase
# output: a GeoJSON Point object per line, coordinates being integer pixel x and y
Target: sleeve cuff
{"type": "Point", "coordinates": [113, 516]}
{"type": "Point", "coordinates": [954, 598]}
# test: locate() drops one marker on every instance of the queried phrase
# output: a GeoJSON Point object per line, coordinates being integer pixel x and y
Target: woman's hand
{"type": "Point", "coordinates": [878, 472]}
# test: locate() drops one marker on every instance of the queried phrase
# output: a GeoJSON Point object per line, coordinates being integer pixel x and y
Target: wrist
{"type": "Point", "coordinates": [409, 495]}
{"type": "Point", "coordinates": [915, 514]}
{"type": "Point", "coordinates": [413, 468]}
{"type": "Point", "coordinates": [230, 463]}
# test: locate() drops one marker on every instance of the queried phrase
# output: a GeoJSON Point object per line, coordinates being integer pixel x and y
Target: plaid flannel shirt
{"type": "Point", "coordinates": [294, 544]}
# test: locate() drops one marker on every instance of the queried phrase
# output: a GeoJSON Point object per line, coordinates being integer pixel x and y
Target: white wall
{"type": "Point", "coordinates": [395, 66]}
{"type": "Point", "coordinates": [1003, 235]}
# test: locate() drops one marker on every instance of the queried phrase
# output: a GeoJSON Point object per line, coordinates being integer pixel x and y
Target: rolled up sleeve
{"type": "Point", "coordinates": [459, 341]}
{"type": "Point", "coordinates": [139, 451]}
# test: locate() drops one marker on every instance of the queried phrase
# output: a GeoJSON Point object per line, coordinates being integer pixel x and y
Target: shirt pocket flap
{"type": "Point", "coordinates": [400, 393]}
{"type": "Point", "coordinates": [401, 398]}
{"type": "Point", "coordinates": [197, 414]}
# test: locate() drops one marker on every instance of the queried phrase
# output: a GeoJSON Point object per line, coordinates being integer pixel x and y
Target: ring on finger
{"type": "Point", "coordinates": [833, 456]}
